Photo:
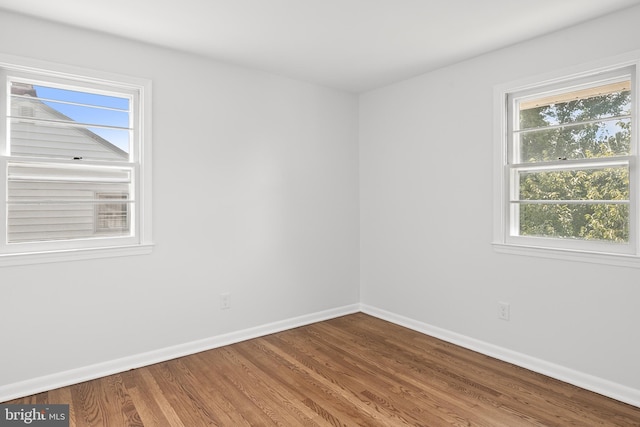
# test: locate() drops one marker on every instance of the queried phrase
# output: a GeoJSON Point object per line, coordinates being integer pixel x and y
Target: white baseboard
{"type": "Point", "coordinates": [86, 373]}
{"type": "Point", "coordinates": [580, 379]}
{"type": "Point", "coordinates": [78, 375]}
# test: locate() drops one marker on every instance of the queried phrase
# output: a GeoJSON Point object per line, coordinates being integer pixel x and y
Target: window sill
{"type": "Point", "coordinates": [621, 260]}
{"type": "Point", "coordinates": [73, 255]}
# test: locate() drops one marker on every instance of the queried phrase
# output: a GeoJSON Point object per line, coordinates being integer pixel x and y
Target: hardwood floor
{"type": "Point", "coordinates": [355, 370]}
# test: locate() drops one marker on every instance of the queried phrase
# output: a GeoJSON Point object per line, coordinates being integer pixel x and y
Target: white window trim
{"type": "Point", "coordinates": [144, 242]}
{"type": "Point", "coordinates": [501, 241]}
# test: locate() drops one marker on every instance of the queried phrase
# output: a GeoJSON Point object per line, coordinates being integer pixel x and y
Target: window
{"type": "Point", "coordinates": [566, 169]}
{"type": "Point", "coordinates": [113, 218]}
{"type": "Point", "coordinates": [75, 156]}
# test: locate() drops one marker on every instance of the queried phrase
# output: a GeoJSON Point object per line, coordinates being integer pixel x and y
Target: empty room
{"type": "Point", "coordinates": [320, 212]}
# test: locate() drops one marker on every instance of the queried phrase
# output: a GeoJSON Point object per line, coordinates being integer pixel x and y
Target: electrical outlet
{"type": "Point", "coordinates": [225, 301]}
{"type": "Point", "coordinates": [504, 310]}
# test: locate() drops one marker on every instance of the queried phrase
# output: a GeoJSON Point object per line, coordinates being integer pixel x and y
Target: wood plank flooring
{"type": "Point", "coordinates": [355, 370]}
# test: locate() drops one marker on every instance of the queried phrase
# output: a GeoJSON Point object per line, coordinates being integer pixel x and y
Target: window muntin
{"type": "Point", "coordinates": [75, 159]}
{"type": "Point", "coordinates": [570, 157]}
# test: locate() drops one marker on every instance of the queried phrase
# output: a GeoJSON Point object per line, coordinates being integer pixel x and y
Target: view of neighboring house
{"type": "Point", "coordinates": [66, 198]}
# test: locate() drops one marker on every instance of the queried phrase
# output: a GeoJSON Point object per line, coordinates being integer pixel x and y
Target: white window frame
{"type": "Point", "coordinates": [504, 241]}
{"type": "Point", "coordinates": [140, 242]}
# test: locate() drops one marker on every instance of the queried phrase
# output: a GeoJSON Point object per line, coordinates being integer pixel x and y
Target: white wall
{"type": "Point", "coordinates": [426, 156]}
{"type": "Point", "coordinates": [255, 193]}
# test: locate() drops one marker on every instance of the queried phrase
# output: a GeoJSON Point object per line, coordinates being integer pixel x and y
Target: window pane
{"type": "Point", "coordinates": [592, 140]}
{"type": "Point", "coordinates": [54, 118]}
{"type": "Point", "coordinates": [589, 104]}
{"type": "Point", "coordinates": [65, 203]}
{"type": "Point", "coordinates": [544, 215]}
{"type": "Point", "coordinates": [598, 222]}
{"type": "Point", "coordinates": [611, 183]}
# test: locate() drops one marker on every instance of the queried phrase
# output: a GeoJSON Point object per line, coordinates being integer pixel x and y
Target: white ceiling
{"type": "Point", "coordinates": [353, 45]}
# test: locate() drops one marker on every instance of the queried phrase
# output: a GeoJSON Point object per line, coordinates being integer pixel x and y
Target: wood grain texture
{"type": "Point", "coordinates": [355, 370]}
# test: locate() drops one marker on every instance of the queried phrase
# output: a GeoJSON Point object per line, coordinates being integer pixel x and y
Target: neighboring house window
{"type": "Point", "coordinates": [113, 217]}
{"type": "Point", "coordinates": [75, 158]}
{"type": "Point", "coordinates": [567, 179]}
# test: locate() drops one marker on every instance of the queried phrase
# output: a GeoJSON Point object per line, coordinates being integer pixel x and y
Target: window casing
{"type": "Point", "coordinates": [566, 180]}
{"type": "Point", "coordinates": [75, 156]}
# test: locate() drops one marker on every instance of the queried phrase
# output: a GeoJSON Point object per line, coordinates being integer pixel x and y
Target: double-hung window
{"type": "Point", "coordinates": [566, 168]}
{"type": "Point", "coordinates": [75, 160]}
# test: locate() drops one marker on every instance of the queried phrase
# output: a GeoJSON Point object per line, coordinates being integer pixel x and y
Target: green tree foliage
{"type": "Point", "coordinates": [584, 128]}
